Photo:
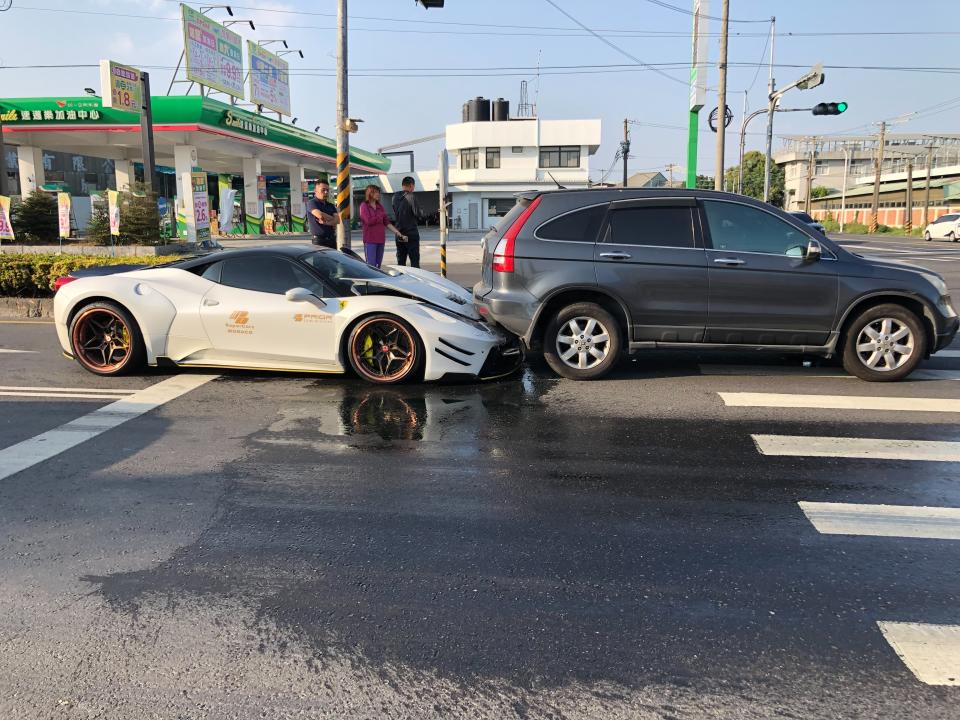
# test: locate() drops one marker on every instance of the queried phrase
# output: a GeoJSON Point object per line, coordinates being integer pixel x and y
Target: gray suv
{"type": "Point", "coordinates": [584, 275]}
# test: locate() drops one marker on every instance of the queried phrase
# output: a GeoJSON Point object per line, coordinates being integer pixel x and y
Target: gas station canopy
{"type": "Point", "coordinates": [222, 134]}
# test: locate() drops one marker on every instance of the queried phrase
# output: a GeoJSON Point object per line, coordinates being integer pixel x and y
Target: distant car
{"type": "Point", "coordinates": [946, 227]}
{"type": "Point", "coordinates": [281, 308]}
{"type": "Point", "coordinates": [809, 221]}
{"type": "Point", "coordinates": [587, 275]}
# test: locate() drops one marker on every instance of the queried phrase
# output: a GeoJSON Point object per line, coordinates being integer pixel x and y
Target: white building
{"type": "Point", "coordinates": [489, 162]}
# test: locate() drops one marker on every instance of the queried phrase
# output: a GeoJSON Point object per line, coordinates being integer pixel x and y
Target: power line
{"type": "Point", "coordinates": [684, 11]}
{"type": "Point", "coordinates": [614, 46]}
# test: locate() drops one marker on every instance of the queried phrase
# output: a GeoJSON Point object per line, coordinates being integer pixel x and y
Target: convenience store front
{"type": "Point", "coordinates": [191, 134]}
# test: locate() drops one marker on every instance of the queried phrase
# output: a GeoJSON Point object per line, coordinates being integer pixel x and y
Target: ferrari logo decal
{"type": "Point", "coordinates": [343, 304]}
{"type": "Point", "coordinates": [239, 323]}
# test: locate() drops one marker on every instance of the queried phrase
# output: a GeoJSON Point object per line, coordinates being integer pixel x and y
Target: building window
{"type": "Point", "coordinates": [516, 149]}
{"type": "Point", "coordinates": [493, 157]}
{"type": "Point", "coordinates": [470, 158]}
{"type": "Point", "coordinates": [821, 167]}
{"type": "Point", "coordinates": [560, 156]}
{"type": "Point", "coordinates": [498, 207]}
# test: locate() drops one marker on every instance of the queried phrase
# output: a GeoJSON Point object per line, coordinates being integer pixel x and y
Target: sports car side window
{"type": "Point", "coordinates": [262, 274]}
{"type": "Point", "coordinates": [212, 273]}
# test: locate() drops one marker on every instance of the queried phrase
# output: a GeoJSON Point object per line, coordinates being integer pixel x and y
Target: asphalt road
{"type": "Point", "coordinates": [291, 547]}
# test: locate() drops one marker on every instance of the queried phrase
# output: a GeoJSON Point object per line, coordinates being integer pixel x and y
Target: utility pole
{"type": "Point", "coordinates": [670, 168]}
{"type": "Point", "coordinates": [875, 208]}
{"type": "Point", "coordinates": [908, 219]}
{"type": "Point", "coordinates": [722, 95]}
{"type": "Point", "coordinates": [442, 188]}
{"type": "Point", "coordinates": [809, 183]}
{"type": "Point", "coordinates": [625, 150]}
{"type": "Point", "coordinates": [771, 108]}
{"type": "Point", "coordinates": [843, 192]}
{"type": "Point", "coordinates": [343, 136]}
{"type": "Point", "coordinates": [926, 192]}
{"type": "Point", "coordinates": [3, 163]}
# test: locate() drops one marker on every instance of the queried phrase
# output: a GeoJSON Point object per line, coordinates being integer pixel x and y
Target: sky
{"type": "Point", "coordinates": [399, 52]}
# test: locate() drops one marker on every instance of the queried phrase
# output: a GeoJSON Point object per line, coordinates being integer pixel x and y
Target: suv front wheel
{"type": "Point", "coordinates": [884, 343]}
{"type": "Point", "coordinates": [582, 342]}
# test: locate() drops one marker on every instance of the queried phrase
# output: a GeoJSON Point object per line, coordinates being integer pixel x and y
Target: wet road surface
{"type": "Point", "coordinates": [285, 546]}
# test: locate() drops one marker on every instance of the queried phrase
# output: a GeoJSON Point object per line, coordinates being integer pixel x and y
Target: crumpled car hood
{"type": "Point", "coordinates": [429, 287]}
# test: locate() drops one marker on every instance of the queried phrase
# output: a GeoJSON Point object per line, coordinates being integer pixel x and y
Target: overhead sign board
{"type": "Point", "coordinates": [120, 87]}
{"type": "Point", "coordinates": [269, 79]}
{"type": "Point", "coordinates": [698, 65]}
{"type": "Point", "coordinates": [213, 55]}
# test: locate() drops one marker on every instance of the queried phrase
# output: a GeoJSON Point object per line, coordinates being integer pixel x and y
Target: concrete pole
{"type": "Point", "coordinates": [843, 192]}
{"type": "Point", "coordinates": [809, 183]}
{"type": "Point", "coordinates": [626, 150]}
{"type": "Point", "coordinates": [875, 207]}
{"type": "Point", "coordinates": [908, 219]}
{"type": "Point", "coordinates": [771, 107]}
{"type": "Point", "coordinates": [343, 136]}
{"type": "Point", "coordinates": [926, 192]}
{"type": "Point", "coordinates": [3, 163]}
{"type": "Point", "coordinates": [722, 95]}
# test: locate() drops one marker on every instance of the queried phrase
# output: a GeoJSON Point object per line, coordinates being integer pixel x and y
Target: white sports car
{"type": "Point", "coordinates": [281, 308]}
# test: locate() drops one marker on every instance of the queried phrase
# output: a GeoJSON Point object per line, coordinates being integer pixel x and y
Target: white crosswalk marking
{"type": "Point", "coordinates": [948, 354]}
{"type": "Point", "coordinates": [906, 521]}
{"type": "Point", "coordinates": [839, 402]}
{"type": "Point", "coordinates": [850, 447]}
{"type": "Point", "coordinates": [931, 652]}
{"type": "Point", "coordinates": [42, 388]}
{"type": "Point", "coordinates": [53, 442]}
{"type": "Point", "coordinates": [6, 350]}
{"type": "Point", "coordinates": [812, 372]}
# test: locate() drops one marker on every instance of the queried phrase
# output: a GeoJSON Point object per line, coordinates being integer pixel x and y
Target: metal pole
{"type": "Point", "coordinates": [693, 135]}
{"type": "Point", "coordinates": [343, 137]}
{"type": "Point", "coordinates": [443, 212]}
{"type": "Point", "coordinates": [722, 95]}
{"type": "Point", "coordinates": [173, 79]}
{"type": "Point", "coordinates": [743, 142]}
{"type": "Point", "coordinates": [875, 208]}
{"type": "Point", "coordinates": [908, 216]}
{"type": "Point", "coordinates": [843, 192]}
{"type": "Point", "coordinates": [146, 135]}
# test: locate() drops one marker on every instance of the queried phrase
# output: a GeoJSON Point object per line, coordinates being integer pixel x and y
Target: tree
{"type": "Point", "coordinates": [98, 229]}
{"type": "Point", "coordinates": [753, 163]}
{"type": "Point", "coordinates": [820, 191]}
{"type": "Point", "coordinates": [704, 182]}
{"type": "Point", "coordinates": [36, 219]}
{"type": "Point", "coordinates": [139, 221]}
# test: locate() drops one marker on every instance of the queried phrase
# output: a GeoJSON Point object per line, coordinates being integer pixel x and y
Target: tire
{"type": "Point", "coordinates": [880, 327]}
{"type": "Point", "coordinates": [377, 366]}
{"type": "Point", "coordinates": [106, 340]}
{"type": "Point", "coordinates": [926, 236]}
{"type": "Point", "coordinates": [595, 348]}
{"type": "Point", "coordinates": [952, 237]}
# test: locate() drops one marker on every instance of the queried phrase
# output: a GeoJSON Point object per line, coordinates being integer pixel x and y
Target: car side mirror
{"type": "Point", "coordinates": [299, 294]}
{"type": "Point", "coordinates": [814, 251]}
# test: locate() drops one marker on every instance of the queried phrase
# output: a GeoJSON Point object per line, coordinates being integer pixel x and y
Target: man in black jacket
{"type": "Point", "coordinates": [407, 217]}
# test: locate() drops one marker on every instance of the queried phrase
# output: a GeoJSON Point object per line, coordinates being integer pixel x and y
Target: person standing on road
{"type": "Point", "coordinates": [322, 216]}
{"type": "Point", "coordinates": [375, 221]}
{"type": "Point", "coordinates": [407, 216]}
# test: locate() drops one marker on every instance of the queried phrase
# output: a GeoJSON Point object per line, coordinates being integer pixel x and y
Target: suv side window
{"type": "Point", "coordinates": [741, 228]}
{"type": "Point", "coordinates": [668, 226]}
{"type": "Point", "coordinates": [266, 274]}
{"type": "Point", "coordinates": [578, 226]}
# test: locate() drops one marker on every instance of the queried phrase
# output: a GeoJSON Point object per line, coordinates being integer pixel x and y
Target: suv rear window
{"type": "Point", "coordinates": [578, 226]}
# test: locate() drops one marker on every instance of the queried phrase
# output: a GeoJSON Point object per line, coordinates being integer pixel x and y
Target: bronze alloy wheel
{"type": "Point", "coordinates": [384, 350]}
{"type": "Point", "coordinates": [102, 340]}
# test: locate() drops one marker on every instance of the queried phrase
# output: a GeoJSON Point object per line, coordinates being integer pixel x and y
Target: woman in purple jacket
{"type": "Point", "coordinates": [375, 222]}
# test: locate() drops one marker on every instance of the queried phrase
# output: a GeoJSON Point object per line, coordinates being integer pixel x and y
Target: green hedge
{"type": "Point", "coordinates": [28, 275]}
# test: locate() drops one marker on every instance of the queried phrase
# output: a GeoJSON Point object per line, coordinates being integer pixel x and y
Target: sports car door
{"type": "Point", "coordinates": [250, 322]}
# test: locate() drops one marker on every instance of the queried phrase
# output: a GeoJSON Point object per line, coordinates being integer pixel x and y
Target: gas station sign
{"type": "Point", "coordinates": [121, 87]}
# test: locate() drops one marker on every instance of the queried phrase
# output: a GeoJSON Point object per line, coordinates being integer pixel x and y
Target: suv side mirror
{"type": "Point", "coordinates": [299, 294]}
{"type": "Point", "coordinates": [814, 251]}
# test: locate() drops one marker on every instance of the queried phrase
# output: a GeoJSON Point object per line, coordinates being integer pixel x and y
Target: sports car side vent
{"type": "Point", "coordinates": [454, 347]}
{"type": "Point", "coordinates": [448, 356]}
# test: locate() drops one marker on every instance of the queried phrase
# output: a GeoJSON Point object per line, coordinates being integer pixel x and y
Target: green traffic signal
{"type": "Point", "coordinates": [834, 108]}
{"type": "Point", "coordinates": [841, 107]}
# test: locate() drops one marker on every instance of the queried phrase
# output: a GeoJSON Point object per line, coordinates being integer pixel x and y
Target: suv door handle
{"type": "Point", "coordinates": [211, 303]}
{"type": "Point", "coordinates": [730, 261]}
{"type": "Point", "coordinates": [615, 255]}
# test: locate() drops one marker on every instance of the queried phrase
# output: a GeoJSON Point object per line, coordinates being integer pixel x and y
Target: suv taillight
{"type": "Point", "coordinates": [504, 252]}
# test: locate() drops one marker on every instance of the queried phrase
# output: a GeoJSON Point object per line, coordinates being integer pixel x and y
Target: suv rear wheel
{"type": "Point", "coordinates": [884, 343]}
{"type": "Point", "coordinates": [582, 342]}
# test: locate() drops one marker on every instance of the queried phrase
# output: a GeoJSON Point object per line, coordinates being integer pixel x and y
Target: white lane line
{"type": "Point", "coordinates": [839, 402]}
{"type": "Point", "coordinates": [41, 388]}
{"type": "Point", "coordinates": [61, 396]}
{"type": "Point", "coordinates": [812, 372]}
{"type": "Point", "coordinates": [905, 521]}
{"type": "Point", "coordinates": [867, 448]}
{"type": "Point", "coordinates": [53, 442]}
{"type": "Point", "coordinates": [931, 652]}
{"type": "Point", "coordinates": [947, 353]}
{"type": "Point", "coordinates": [6, 350]}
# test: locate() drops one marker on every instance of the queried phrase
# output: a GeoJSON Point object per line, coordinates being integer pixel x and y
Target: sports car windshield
{"type": "Point", "coordinates": [340, 271]}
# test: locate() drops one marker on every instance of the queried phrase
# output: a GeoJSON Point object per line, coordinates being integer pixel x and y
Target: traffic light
{"type": "Point", "coordinates": [834, 108]}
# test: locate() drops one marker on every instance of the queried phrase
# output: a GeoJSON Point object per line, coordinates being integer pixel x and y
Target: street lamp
{"type": "Point", "coordinates": [267, 42]}
{"type": "Point", "coordinates": [287, 52]}
{"type": "Point", "coordinates": [90, 91]}
{"type": "Point", "coordinates": [228, 23]}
